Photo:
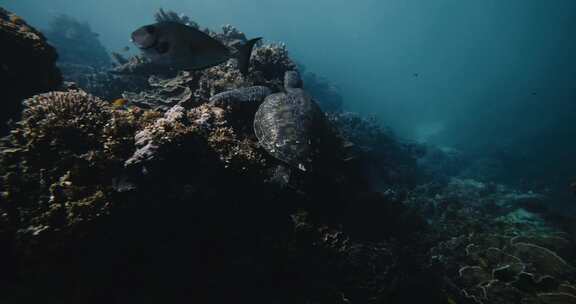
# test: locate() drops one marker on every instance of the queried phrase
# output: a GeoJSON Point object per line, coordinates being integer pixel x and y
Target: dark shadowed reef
{"type": "Point", "coordinates": [128, 188]}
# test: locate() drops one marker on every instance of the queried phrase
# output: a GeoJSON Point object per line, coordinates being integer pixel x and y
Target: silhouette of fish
{"type": "Point", "coordinates": [176, 45]}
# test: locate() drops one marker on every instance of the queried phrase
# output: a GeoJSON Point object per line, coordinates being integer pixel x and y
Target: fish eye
{"type": "Point", "coordinates": [150, 29]}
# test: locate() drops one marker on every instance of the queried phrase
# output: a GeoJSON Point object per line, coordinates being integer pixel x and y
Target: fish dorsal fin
{"type": "Point", "coordinates": [243, 54]}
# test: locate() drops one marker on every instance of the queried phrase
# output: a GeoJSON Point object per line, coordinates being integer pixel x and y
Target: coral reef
{"type": "Point", "coordinates": [494, 244]}
{"type": "Point", "coordinates": [28, 65]}
{"type": "Point", "coordinates": [326, 93]}
{"type": "Point", "coordinates": [72, 144]}
{"type": "Point", "coordinates": [164, 93]}
{"type": "Point", "coordinates": [102, 83]}
{"type": "Point", "coordinates": [168, 193]}
{"type": "Point", "coordinates": [165, 89]}
{"type": "Point", "coordinates": [163, 16]}
{"type": "Point", "coordinates": [272, 61]}
{"type": "Point", "coordinates": [268, 66]}
{"type": "Point", "coordinates": [191, 175]}
{"type": "Point", "coordinates": [76, 43]}
{"type": "Point", "coordinates": [388, 162]}
{"type": "Point", "coordinates": [85, 62]}
{"type": "Point", "coordinates": [96, 168]}
{"type": "Point", "coordinates": [492, 268]}
{"type": "Point", "coordinates": [229, 35]}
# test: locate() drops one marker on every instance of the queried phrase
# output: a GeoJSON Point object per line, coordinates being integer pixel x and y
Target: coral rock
{"type": "Point", "coordinates": [28, 65]}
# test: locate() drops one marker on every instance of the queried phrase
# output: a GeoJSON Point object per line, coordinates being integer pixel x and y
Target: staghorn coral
{"type": "Point", "coordinates": [29, 67]}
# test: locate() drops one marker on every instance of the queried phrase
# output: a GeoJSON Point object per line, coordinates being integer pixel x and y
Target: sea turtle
{"type": "Point", "coordinates": [286, 124]}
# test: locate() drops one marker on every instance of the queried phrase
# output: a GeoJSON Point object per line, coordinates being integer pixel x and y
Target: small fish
{"type": "Point", "coordinates": [16, 19]}
{"type": "Point", "coordinates": [125, 49]}
{"type": "Point", "coordinates": [178, 46]}
{"type": "Point", "coordinates": [119, 103]}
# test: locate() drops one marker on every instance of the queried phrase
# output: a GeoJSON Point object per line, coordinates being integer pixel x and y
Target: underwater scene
{"type": "Point", "coordinates": [288, 152]}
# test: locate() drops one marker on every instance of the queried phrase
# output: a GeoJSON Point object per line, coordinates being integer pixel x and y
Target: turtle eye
{"type": "Point", "coordinates": [150, 29]}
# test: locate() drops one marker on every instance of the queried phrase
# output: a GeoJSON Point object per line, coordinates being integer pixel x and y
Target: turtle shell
{"type": "Point", "coordinates": [284, 125]}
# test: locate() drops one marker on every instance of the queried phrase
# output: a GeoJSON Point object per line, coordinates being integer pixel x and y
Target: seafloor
{"type": "Point", "coordinates": [118, 187]}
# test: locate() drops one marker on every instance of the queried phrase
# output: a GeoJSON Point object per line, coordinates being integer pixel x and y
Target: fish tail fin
{"type": "Point", "coordinates": [244, 53]}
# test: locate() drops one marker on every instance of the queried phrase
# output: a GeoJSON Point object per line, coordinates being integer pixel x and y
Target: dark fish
{"type": "Point", "coordinates": [125, 49]}
{"type": "Point", "coordinates": [178, 46]}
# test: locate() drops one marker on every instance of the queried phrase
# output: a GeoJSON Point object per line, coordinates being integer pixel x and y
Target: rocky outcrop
{"type": "Point", "coordinates": [27, 67]}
